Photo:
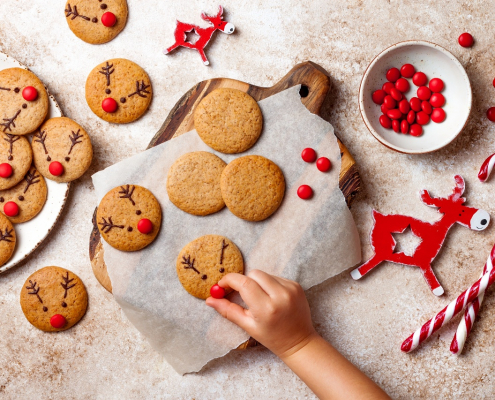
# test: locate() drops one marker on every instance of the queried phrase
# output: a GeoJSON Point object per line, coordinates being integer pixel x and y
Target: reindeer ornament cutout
{"type": "Point", "coordinates": [432, 235]}
{"type": "Point", "coordinates": [204, 34]}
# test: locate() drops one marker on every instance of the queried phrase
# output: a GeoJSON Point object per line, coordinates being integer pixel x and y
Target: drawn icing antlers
{"type": "Point", "coordinates": [10, 122]}
{"type": "Point", "coordinates": [66, 283]}
{"type": "Point", "coordinates": [31, 179]}
{"type": "Point", "coordinates": [107, 71]}
{"type": "Point", "coordinates": [74, 138]}
{"type": "Point", "coordinates": [108, 225]}
{"type": "Point", "coordinates": [70, 11]}
{"type": "Point", "coordinates": [11, 139]}
{"type": "Point", "coordinates": [7, 236]}
{"type": "Point", "coordinates": [40, 138]}
{"type": "Point", "coordinates": [140, 89]}
{"type": "Point", "coordinates": [188, 264]}
{"type": "Point", "coordinates": [127, 194]}
{"type": "Point", "coordinates": [34, 289]}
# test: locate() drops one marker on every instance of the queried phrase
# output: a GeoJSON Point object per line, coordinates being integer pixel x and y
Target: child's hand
{"type": "Point", "coordinates": [278, 316]}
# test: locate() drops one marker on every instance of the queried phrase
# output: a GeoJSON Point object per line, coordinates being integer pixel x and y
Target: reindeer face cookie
{"type": "Point", "coordinates": [129, 217]}
{"type": "Point", "coordinates": [96, 21]}
{"type": "Point", "coordinates": [53, 299]}
{"type": "Point", "coordinates": [15, 159]}
{"type": "Point", "coordinates": [62, 150]}
{"type": "Point", "coordinates": [26, 199]}
{"type": "Point", "coordinates": [23, 101]}
{"type": "Point", "coordinates": [118, 91]}
{"type": "Point", "coordinates": [7, 239]}
{"type": "Point", "coordinates": [204, 261]}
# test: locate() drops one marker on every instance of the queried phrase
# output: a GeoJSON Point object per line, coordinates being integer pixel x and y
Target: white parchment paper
{"type": "Point", "coordinates": [305, 240]}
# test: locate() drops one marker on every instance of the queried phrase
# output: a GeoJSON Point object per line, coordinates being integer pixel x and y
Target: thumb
{"type": "Point", "coordinates": [231, 311]}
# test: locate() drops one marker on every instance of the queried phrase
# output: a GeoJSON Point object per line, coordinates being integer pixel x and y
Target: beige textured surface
{"type": "Point", "coordinates": [104, 357]}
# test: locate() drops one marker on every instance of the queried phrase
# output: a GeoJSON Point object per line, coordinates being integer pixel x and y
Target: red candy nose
{"type": "Point", "coordinates": [108, 19]}
{"type": "Point", "coordinates": [305, 192]}
{"type": "Point", "coordinates": [11, 209]}
{"type": "Point", "coordinates": [55, 168]}
{"type": "Point", "coordinates": [109, 105]}
{"type": "Point", "coordinates": [145, 225]}
{"type": "Point", "coordinates": [217, 292]}
{"type": "Point", "coordinates": [323, 164]}
{"type": "Point", "coordinates": [29, 93]}
{"type": "Point", "coordinates": [5, 170]}
{"type": "Point", "coordinates": [58, 321]}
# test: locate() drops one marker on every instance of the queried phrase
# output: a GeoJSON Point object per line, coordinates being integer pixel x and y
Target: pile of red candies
{"type": "Point", "coordinates": [409, 116]}
{"type": "Point", "coordinates": [323, 164]}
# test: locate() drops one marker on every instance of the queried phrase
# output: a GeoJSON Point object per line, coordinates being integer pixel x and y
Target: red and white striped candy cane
{"type": "Point", "coordinates": [486, 168]}
{"type": "Point", "coordinates": [470, 313]}
{"type": "Point", "coordinates": [449, 312]}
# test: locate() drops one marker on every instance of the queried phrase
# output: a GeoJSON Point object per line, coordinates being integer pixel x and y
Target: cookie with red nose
{"type": "Point", "coordinates": [96, 21]}
{"type": "Point", "coordinates": [118, 91]}
{"type": "Point", "coordinates": [15, 159]}
{"type": "Point", "coordinates": [23, 101]}
{"type": "Point", "coordinates": [53, 299]}
{"type": "Point", "coordinates": [62, 150]}
{"type": "Point", "coordinates": [204, 261]}
{"type": "Point", "coordinates": [129, 217]}
{"type": "Point", "coordinates": [25, 200]}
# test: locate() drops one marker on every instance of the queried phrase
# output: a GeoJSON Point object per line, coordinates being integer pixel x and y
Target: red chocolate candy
{"type": "Point", "coordinates": [323, 164]}
{"type": "Point", "coordinates": [393, 74]}
{"type": "Point", "coordinates": [466, 40]}
{"type": "Point", "coordinates": [389, 102]}
{"type": "Point", "coordinates": [308, 155]}
{"type": "Point", "coordinates": [423, 93]}
{"type": "Point", "coordinates": [426, 107]}
{"type": "Point", "coordinates": [29, 93]}
{"type": "Point", "coordinates": [415, 104]}
{"type": "Point", "coordinates": [55, 168]}
{"type": "Point", "coordinates": [378, 96]}
{"type": "Point", "coordinates": [404, 126]}
{"type": "Point", "coordinates": [387, 86]}
{"type": "Point", "coordinates": [420, 79]}
{"type": "Point", "coordinates": [11, 209]}
{"type": "Point", "coordinates": [411, 117]}
{"type": "Point", "coordinates": [402, 85]}
{"type": "Point", "coordinates": [404, 106]}
{"type": "Point", "coordinates": [394, 114]}
{"type": "Point", "coordinates": [416, 130]}
{"type": "Point", "coordinates": [5, 170]}
{"type": "Point", "coordinates": [109, 105]}
{"type": "Point", "coordinates": [436, 85]}
{"type": "Point", "coordinates": [396, 94]}
{"type": "Point", "coordinates": [490, 113]}
{"type": "Point", "coordinates": [396, 125]}
{"type": "Point", "coordinates": [108, 19]}
{"type": "Point", "coordinates": [437, 100]}
{"type": "Point", "coordinates": [407, 70]}
{"type": "Point", "coordinates": [58, 321]}
{"type": "Point", "coordinates": [305, 192]}
{"type": "Point", "coordinates": [383, 108]}
{"type": "Point", "coordinates": [422, 118]}
{"type": "Point", "coordinates": [217, 292]}
{"type": "Point", "coordinates": [385, 121]}
{"type": "Point", "coordinates": [145, 226]}
{"type": "Point", "coordinates": [438, 115]}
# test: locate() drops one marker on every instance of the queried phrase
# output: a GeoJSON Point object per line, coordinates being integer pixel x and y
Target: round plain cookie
{"type": "Point", "coordinates": [17, 115]}
{"type": "Point", "coordinates": [204, 261]}
{"type": "Point", "coordinates": [29, 194]}
{"type": "Point", "coordinates": [53, 291]}
{"type": "Point", "coordinates": [193, 183]}
{"type": "Point", "coordinates": [119, 215]}
{"type": "Point", "coordinates": [15, 151]}
{"type": "Point", "coordinates": [65, 141]}
{"type": "Point", "coordinates": [84, 19]}
{"type": "Point", "coordinates": [122, 81]}
{"type": "Point", "coordinates": [228, 120]}
{"type": "Point", "coordinates": [252, 187]}
{"type": "Point", "coordinates": [7, 239]}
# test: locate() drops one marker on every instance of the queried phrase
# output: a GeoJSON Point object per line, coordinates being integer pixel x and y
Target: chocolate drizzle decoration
{"type": "Point", "coordinates": [40, 138]}
{"type": "Point", "coordinates": [108, 225]}
{"type": "Point", "coordinates": [10, 121]}
{"type": "Point", "coordinates": [127, 194]}
{"type": "Point", "coordinates": [107, 71]}
{"type": "Point", "coordinates": [7, 236]}
{"type": "Point", "coordinates": [4, 88]}
{"type": "Point", "coordinates": [224, 246]}
{"type": "Point", "coordinates": [73, 11]}
{"type": "Point", "coordinates": [35, 291]}
{"type": "Point", "coordinates": [75, 139]}
{"type": "Point", "coordinates": [140, 89]}
{"type": "Point", "coordinates": [188, 264]}
{"type": "Point", "coordinates": [11, 139]}
{"type": "Point", "coordinates": [66, 283]}
{"type": "Point", "coordinates": [31, 179]}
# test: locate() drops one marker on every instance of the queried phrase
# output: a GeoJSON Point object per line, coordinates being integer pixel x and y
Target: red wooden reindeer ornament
{"type": "Point", "coordinates": [431, 234]}
{"type": "Point", "coordinates": [204, 34]}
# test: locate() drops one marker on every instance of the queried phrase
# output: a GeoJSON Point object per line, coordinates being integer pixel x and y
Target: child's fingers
{"type": "Point", "coordinates": [248, 288]}
{"type": "Point", "coordinates": [233, 312]}
{"type": "Point", "coordinates": [269, 283]}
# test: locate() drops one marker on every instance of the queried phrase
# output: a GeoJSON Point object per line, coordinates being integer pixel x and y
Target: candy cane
{"type": "Point", "coordinates": [448, 312]}
{"type": "Point", "coordinates": [486, 168]}
{"type": "Point", "coordinates": [471, 312]}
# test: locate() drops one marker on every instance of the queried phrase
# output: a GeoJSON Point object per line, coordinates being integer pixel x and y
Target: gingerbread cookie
{"type": "Point", "coordinates": [15, 159]}
{"type": "Point", "coordinates": [23, 101]}
{"type": "Point", "coordinates": [228, 120]}
{"type": "Point", "coordinates": [62, 150]}
{"type": "Point", "coordinates": [118, 91]}
{"type": "Point", "coordinates": [26, 199]}
{"type": "Point", "coordinates": [7, 239]}
{"type": "Point", "coordinates": [193, 183]}
{"type": "Point", "coordinates": [96, 21]}
{"type": "Point", "coordinates": [252, 187]}
{"type": "Point", "coordinates": [54, 299]}
{"type": "Point", "coordinates": [129, 217]}
{"type": "Point", "coordinates": [204, 261]}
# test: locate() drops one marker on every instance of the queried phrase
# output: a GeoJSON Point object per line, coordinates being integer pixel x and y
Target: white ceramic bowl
{"type": "Point", "coordinates": [435, 62]}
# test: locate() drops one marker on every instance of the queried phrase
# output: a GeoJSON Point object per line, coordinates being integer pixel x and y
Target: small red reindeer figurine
{"type": "Point", "coordinates": [431, 234]}
{"type": "Point", "coordinates": [204, 34]}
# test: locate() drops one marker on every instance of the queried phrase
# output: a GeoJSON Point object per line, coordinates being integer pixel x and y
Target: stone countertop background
{"type": "Point", "coordinates": [104, 356]}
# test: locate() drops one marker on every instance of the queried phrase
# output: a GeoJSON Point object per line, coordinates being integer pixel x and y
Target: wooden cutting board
{"type": "Point", "coordinates": [314, 90]}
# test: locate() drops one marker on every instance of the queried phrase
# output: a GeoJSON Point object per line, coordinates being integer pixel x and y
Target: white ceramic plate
{"type": "Point", "coordinates": [435, 62]}
{"type": "Point", "coordinates": [32, 233]}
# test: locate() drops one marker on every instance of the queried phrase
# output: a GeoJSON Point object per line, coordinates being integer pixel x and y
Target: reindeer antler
{"type": "Point", "coordinates": [108, 225]}
{"type": "Point", "coordinates": [428, 200]}
{"type": "Point", "coordinates": [206, 17]}
{"type": "Point", "coordinates": [10, 121]}
{"type": "Point", "coordinates": [127, 193]}
{"type": "Point", "coordinates": [40, 138]}
{"type": "Point", "coordinates": [188, 264]}
{"type": "Point", "coordinates": [458, 190]}
{"type": "Point", "coordinates": [66, 283]}
{"type": "Point", "coordinates": [74, 138]}
{"type": "Point", "coordinates": [34, 289]}
{"type": "Point", "coordinates": [31, 179]}
{"type": "Point", "coordinates": [7, 236]}
{"type": "Point", "coordinates": [220, 11]}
